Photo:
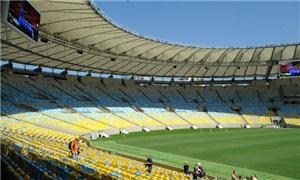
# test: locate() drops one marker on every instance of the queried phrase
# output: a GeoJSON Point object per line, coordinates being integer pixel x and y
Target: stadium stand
{"type": "Point", "coordinates": [41, 126]}
{"type": "Point", "coordinates": [48, 156]}
{"type": "Point", "coordinates": [118, 107]}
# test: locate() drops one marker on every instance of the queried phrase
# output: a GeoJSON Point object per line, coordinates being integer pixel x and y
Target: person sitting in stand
{"type": "Point", "coordinates": [234, 175]}
{"type": "Point", "coordinates": [186, 168]}
{"type": "Point", "coordinates": [195, 172]}
{"type": "Point", "coordinates": [75, 148]}
{"type": "Point", "coordinates": [200, 169]}
{"type": "Point", "coordinates": [149, 163]}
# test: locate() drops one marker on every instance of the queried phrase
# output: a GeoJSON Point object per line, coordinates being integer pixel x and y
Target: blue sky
{"type": "Point", "coordinates": [210, 24]}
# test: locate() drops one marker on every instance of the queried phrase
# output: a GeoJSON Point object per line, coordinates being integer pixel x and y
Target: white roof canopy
{"type": "Point", "coordinates": [79, 25]}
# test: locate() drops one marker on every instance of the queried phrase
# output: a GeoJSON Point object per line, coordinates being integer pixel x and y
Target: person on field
{"type": "Point", "coordinates": [149, 163]}
{"type": "Point", "coordinates": [75, 148]}
{"type": "Point", "coordinates": [234, 175]}
{"type": "Point", "coordinates": [253, 177]}
{"type": "Point", "coordinates": [186, 168]}
{"type": "Point", "coordinates": [198, 171]}
{"type": "Point", "coordinates": [195, 172]}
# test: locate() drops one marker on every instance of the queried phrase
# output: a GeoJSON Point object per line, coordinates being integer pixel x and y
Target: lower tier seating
{"type": "Point", "coordinates": [167, 118]}
{"type": "Point", "coordinates": [139, 118]}
{"type": "Point", "coordinates": [293, 121]}
{"type": "Point", "coordinates": [257, 119]}
{"type": "Point", "coordinates": [30, 151]}
{"type": "Point", "coordinates": [196, 117]}
{"type": "Point", "coordinates": [226, 118]}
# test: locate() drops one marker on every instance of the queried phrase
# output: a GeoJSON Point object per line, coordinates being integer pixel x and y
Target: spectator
{"type": "Point", "coordinates": [253, 177]}
{"type": "Point", "coordinates": [198, 171]}
{"type": "Point", "coordinates": [75, 148]}
{"type": "Point", "coordinates": [149, 163]}
{"type": "Point", "coordinates": [234, 175]}
{"type": "Point", "coordinates": [186, 168]}
{"type": "Point", "coordinates": [201, 171]}
{"type": "Point", "coordinates": [70, 147]}
{"type": "Point", "coordinates": [195, 172]}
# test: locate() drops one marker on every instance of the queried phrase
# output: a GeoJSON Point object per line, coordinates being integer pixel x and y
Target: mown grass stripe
{"type": "Point", "coordinates": [268, 153]}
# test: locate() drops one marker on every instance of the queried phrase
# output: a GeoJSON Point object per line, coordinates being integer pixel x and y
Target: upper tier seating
{"type": "Point", "coordinates": [257, 112]}
{"type": "Point", "coordinates": [93, 106]}
{"type": "Point", "coordinates": [291, 113]}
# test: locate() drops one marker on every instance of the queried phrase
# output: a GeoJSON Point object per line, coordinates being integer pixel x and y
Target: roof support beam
{"type": "Point", "coordinates": [252, 56]}
{"type": "Point", "coordinates": [164, 51]}
{"type": "Point", "coordinates": [84, 27]}
{"type": "Point", "coordinates": [66, 20]}
{"type": "Point", "coordinates": [183, 49]}
{"type": "Point", "coordinates": [270, 66]}
{"type": "Point", "coordinates": [159, 45]}
{"type": "Point", "coordinates": [102, 41]}
{"type": "Point", "coordinates": [269, 69]}
{"type": "Point", "coordinates": [41, 55]}
{"type": "Point", "coordinates": [94, 34]}
{"type": "Point", "coordinates": [116, 45]}
{"type": "Point", "coordinates": [131, 68]}
{"type": "Point", "coordinates": [141, 68]}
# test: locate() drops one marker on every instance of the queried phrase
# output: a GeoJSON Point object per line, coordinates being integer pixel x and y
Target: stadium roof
{"type": "Point", "coordinates": [72, 27]}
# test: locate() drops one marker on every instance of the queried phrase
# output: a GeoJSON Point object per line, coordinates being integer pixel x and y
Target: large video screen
{"type": "Point", "coordinates": [289, 68]}
{"type": "Point", "coordinates": [24, 18]}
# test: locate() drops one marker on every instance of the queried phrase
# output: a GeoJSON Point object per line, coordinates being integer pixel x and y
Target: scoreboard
{"type": "Point", "coordinates": [22, 17]}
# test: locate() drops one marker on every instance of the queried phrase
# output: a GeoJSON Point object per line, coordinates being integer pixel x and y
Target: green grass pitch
{"type": "Point", "coordinates": [268, 153]}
